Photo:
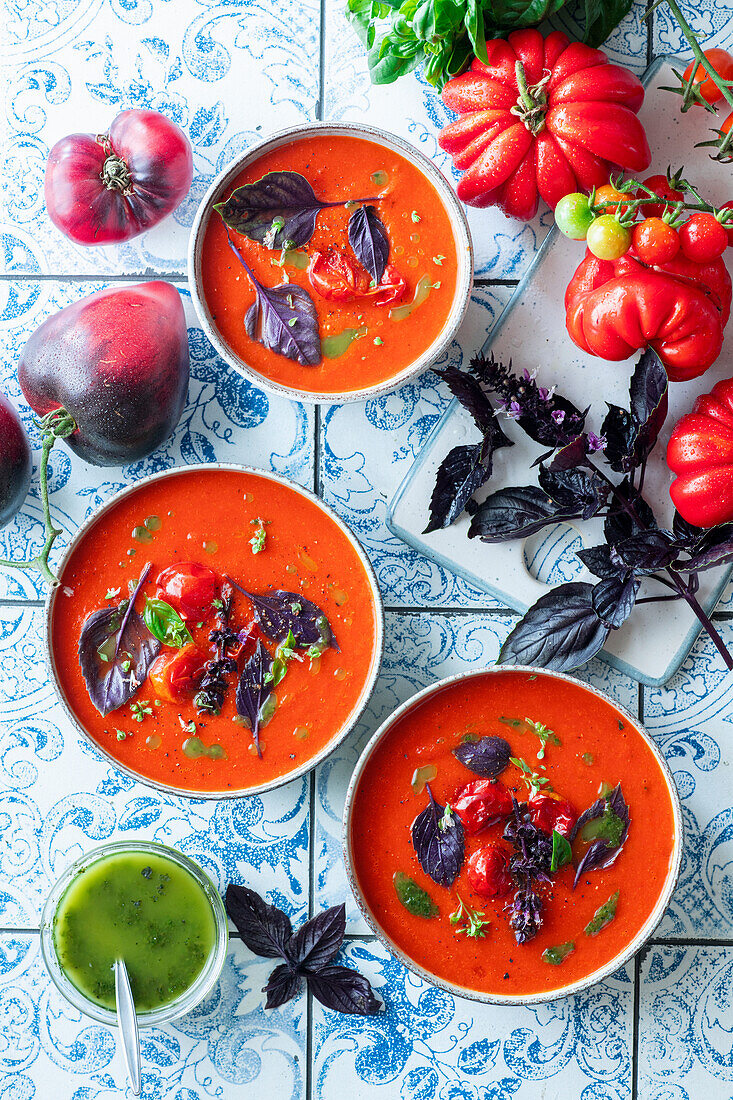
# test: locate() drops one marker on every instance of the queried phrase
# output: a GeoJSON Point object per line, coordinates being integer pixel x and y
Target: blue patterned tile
{"type": "Point", "coordinates": [685, 1024]}
{"type": "Point", "coordinates": [711, 21]}
{"type": "Point", "coordinates": [429, 1045]}
{"type": "Point", "coordinates": [72, 65]}
{"type": "Point", "coordinates": [229, 1042]}
{"type": "Point", "coordinates": [226, 419]}
{"type": "Point", "coordinates": [59, 798]}
{"type": "Point", "coordinates": [367, 450]}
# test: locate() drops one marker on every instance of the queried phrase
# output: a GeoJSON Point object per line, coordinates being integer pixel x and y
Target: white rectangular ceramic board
{"type": "Point", "coordinates": [531, 332]}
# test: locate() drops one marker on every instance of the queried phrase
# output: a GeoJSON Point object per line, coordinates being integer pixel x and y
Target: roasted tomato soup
{"type": "Point", "coordinates": [377, 261]}
{"type": "Point", "coordinates": [215, 630]}
{"type": "Point", "coordinates": [512, 833]}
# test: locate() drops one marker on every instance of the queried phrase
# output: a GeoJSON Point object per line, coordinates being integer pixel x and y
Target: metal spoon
{"type": "Point", "coordinates": [127, 1020]}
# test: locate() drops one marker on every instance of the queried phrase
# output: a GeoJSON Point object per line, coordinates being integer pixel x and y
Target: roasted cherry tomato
{"type": "Point", "coordinates": [654, 241]}
{"type": "Point", "coordinates": [660, 186]}
{"type": "Point", "coordinates": [481, 803]}
{"type": "Point", "coordinates": [175, 674]}
{"type": "Point", "coordinates": [392, 287]}
{"type": "Point", "coordinates": [189, 587]}
{"type": "Point", "coordinates": [722, 62]}
{"type": "Point", "coordinates": [550, 813]}
{"type": "Point", "coordinates": [337, 277]}
{"type": "Point", "coordinates": [606, 194]}
{"type": "Point", "coordinates": [488, 872]}
{"type": "Point", "coordinates": [729, 229]}
{"type": "Point", "coordinates": [703, 238]}
{"type": "Point", "coordinates": [574, 216]}
{"type": "Point", "coordinates": [607, 238]}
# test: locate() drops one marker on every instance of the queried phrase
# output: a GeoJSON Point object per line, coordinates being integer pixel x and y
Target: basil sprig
{"type": "Point", "coordinates": [165, 624]}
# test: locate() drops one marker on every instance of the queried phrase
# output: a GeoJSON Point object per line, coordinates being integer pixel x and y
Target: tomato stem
{"type": "Point", "coordinates": [531, 106]}
{"type": "Point", "coordinates": [57, 424]}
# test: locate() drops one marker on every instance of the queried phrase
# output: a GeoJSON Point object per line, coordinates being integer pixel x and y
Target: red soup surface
{"type": "Point", "coordinates": [597, 750]}
{"type": "Point", "coordinates": [370, 337]}
{"type": "Point", "coordinates": [194, 528]}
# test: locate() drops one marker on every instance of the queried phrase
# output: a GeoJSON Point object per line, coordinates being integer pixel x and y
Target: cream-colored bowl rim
{"type": "Point", "coordinates": [599, 975]}
{"type": "Point", "coordinates": [459, 224]}
{"type": "Point", "coordinates": [377, 651]}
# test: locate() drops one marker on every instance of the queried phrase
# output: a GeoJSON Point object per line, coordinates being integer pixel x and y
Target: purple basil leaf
{"type": "Point", "coordinates": [598, 560]}
{"type": "Point", "coordinates": [646, 552]}
{"type": "Point", "coordinates": [583, 491]}
{"type": "Point", "coordinates": [561, 630]}
{"type": "Point", "coordinates": [253, 691]}
{"type": "Point", "coordinates": [438, 843]}
{"type": "Point", "coordinates": [621, 429]}
{"type": "Point", "coordinates": [369, 241]}
{"type": "Point", "coordinates": [488, 756]}
{"type": "Point", "coordinates": [344, 990]}
{"type": "Point", "coordinates": [282, 985]}
{"type": "Point", "coordinates": [714, 548]}
{"type": "Point", "coordinates": [602, 852]}
{"type": "Point", "coordinates": [688, 536]}
{"type": "Point", "coordinates": [282, 318]}
{"type": "Point", "coordinates": [459, 475]}
{"type": "Point", "coordinates": [110, 685]}
{"type": "Point", "coordinates": [318, 940]}
{"type": "Point", "coordinates": [627, 516]}
{"type": "Point", "coordinates": [570, 456]}
{"type": "Point", "coordinates": [280, 612]}
{"type": "Point", "coordinates": [265, 929]}
{"type": "Point", "coordinates": [470, 394]}
{"type": "Point", "coordinates": [516, 512]}
{"type": "Point", "coordinates": [648, 391]}
{"type": "Point", "coordinates": [614, 599]}
{"type": "Point", "coordinates": [279, 196]}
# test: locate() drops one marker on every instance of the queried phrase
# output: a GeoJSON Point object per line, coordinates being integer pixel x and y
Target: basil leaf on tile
{"type": "Point", "coordinates": [415, 900]}
{"type": "Point", "coordinates": [602, 916]}
{"type": "Point", "coordinates": [282, 985]}
{"type": "Point", "coordinates": [116, 650]}
{"type": "Point", "coordinates": [487, 757]}
{"type": "Point", "coordinates": [369, 241]}
{"type": "Point", "coordinates": [515, 512]}
{"type": "Point", "coordinates": [438, 840]}
{"type": "Point", "coordinates": [253, 692]}
{"type": "Point", "coordinates": [265, 929]}
{"type": "Point", "coordinates": [557, 955]}
{"type": "Point", "coordinates": [165, 624]}
{"type": "Point", "coordinates": [562, 853]}
{"type": "Point", "coordinates": [560, 631]}
{"type": "Point", "coordinates": [344, 990]}
{"type": "Point", "coordinates": [280, 612]}
{"type": "Point", "coordinates": [318, 941]}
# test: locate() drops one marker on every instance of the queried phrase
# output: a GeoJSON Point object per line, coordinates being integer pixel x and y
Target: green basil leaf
{"type": "Point", "coordinates": [165, 624]}
{"type": "Point", "coordinates": [556, 955]}
{"type": "Point", "coordinates": [602, 916]}
{"type": "Point", "coordinates": [562, 853]}
{"type": "Point", "coordinates": [415, 900]}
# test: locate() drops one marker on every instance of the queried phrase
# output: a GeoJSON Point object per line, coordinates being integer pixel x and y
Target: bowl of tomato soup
{"type": "Point", "coordinates": [512, 835]}
{"type": "Point", "coordinates": [330, 263]}
{"type": "Point", "coordinates": [218, 631]}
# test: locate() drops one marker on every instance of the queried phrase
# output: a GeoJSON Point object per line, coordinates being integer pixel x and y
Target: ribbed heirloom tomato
{"type": "Point", "coordinates": [700, 453]}
{"type": "Point", "coordinates": [545, 117]}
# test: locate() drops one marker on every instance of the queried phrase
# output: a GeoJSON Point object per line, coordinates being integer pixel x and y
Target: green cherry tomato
{"type": "Point", "coordinates": [573, 215]}
{"type": "Point", "coordinates": [607, 238]}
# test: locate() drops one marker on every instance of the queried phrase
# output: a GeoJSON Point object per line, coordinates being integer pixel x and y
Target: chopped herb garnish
{"type": "Point", "coordinates": [257, 542]}
{"type": "Point", "coordinates": [602, 916]}
{"type": "Point", "coordinates": [140, 710]}
{"type": "Point", "coordinates": [557, 955]}
{"type": "Point", "coordinates": [187, 727]}
{"type": "Point", "coordinates": [531, 778]}
{"type": "Point", "coordinates": [473, 924]}
{"type": "Point", "coordinates": [545, 735]}
{"type": "Point", "coordinates": [446, 820]}
{"type": "Point", "coordinates": [112, 593]}
{"type": "Point", "coordinates": [562, 853]}
{"type": "Point", "coordinates": [378, 341]}
{"type": "Point", "coordinates": [415, 900]}
{"type": "Point", "coordinates": [121, 735]}
{"type": "Point", "coordinates": [435, 286]}
{"type": "Point", "coordinates": [415, 216]}
{"type": "Point", "coordinates": [438, 260]}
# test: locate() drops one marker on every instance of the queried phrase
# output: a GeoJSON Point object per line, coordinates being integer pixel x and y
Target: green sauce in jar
{"type": "Point", "coordinates": [141, 907]}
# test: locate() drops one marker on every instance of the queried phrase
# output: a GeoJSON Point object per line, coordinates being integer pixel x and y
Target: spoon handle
{"type": "Point", "coordinates": [127, 1020]}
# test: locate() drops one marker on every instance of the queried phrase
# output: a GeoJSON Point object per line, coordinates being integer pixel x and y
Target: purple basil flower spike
{"type": "Point", "coordinates": [558, 415]}
{"type": "Point", "coordinates": [596, 442]}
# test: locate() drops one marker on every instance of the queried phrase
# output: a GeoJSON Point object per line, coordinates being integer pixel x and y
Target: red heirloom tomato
{"type": "Point", "coordinates": [481, 803]}
{"type": "Point", "coordinates": [545, 117]}
{"type": "Point", "coordinates": [703, 238]}
{"type": "Point", "coordinates": [700, 453]}
{"type": "Point", "coordinates": [190, 588]}
{"type": "Point", "coordinates": [550, 813]}
{"type": "Point", "coordinates": [722, 62]}
{"type": "Point", "coordinates": [615, 307]}
{"type": "Point", "coordinates": [15, 462]}
{"type": "Point", "coordinates": [654, 241]}
{"type": "Point", "coordinates": [175, 675]}
{"type": "Point", "coordinates": [117, 361]}
{"type": "Point", "coordinates": [112, 187]}
{"type": "Point", "coordinates": [488, 872]}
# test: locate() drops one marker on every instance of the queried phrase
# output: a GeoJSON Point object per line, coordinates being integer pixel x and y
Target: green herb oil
{"type": "Point", "coordinates": [340, 342]}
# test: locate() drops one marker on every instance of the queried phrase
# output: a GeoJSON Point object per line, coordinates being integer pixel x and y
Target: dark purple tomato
{"type": "Point", "coordinates": [117, 361]}
{"type": "Point", "coordinates": [15, 462]}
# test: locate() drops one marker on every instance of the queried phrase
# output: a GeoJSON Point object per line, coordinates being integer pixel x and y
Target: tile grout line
{"type": "Point", "coordinates": [635, 1030]}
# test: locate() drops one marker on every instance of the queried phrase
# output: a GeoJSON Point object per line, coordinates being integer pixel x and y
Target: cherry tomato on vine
{"type": "Point", "coordinates": [607, 238]}
{"type": "Point", "coordinates": [573, 215]}
{"type": "Point", "coordinates": [488, 872]}
{"type": "Point", "coordinates": [654, 241]}
{"type": "Point", "coordinates": [606, 194]}
{"type": "Point", "coordinates": [722, 62]}
{"type": "Point", "coordinates": [729, 228]}
{"type": "Point", "coordinates": [175, 675]}
{"type": "Point", "coordinates": [190, 588]}
{"type": "Point", "coordinates": [481, 803]}
{"type": "Point", "coordinates": [660, 186]}
{"type": "Point", "coordinates": [703, 238]}
{"type": "Point", "coordinates": [550, 813]}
